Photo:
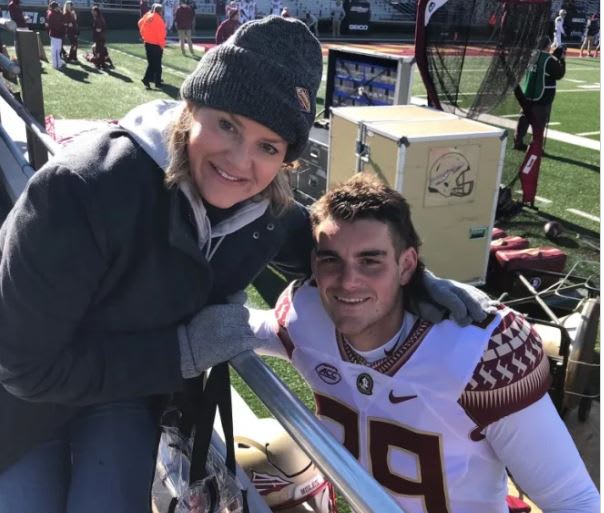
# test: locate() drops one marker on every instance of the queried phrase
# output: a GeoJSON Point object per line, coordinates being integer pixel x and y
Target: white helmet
{"type": "Point", "coordinates": [450, 176]}
{"type": "Point", "coordinates": [282, 473]}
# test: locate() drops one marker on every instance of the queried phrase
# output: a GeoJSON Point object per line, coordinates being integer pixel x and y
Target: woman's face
{"type": "Point", "coordinates": [231, 157]}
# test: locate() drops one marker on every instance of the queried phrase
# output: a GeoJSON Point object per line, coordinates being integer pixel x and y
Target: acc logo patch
{"type": "Point", "coordinates": [365, 384]}
{"type": "Point", "coordinates": [267, 483]}
{"type": "Point", "coordinates": [303, 98]}
{"type": "Point", "coordinates": [328, 373]}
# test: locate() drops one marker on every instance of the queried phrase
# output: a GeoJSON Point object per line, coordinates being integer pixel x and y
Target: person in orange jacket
{"type": "Point", "coordinates": [152, 29]}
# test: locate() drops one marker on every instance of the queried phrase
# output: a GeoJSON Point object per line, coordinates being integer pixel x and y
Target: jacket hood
{"type": "Point", "coordinates": [148, 125]}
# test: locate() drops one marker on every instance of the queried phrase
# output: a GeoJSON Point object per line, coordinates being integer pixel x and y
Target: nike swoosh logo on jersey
{"type": "Point", "coordinates": [395, 399]}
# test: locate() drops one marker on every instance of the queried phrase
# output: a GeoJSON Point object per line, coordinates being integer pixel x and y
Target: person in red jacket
{"type": "Point", "coordinates": [71, 27]}
{"type": "Point", "coordinates": [16, 14]}
{"type": "Point", "coordinates": [152, 29]}
{"type": "Point", "coordinates": [56, 31]}
{"type": "Point", "coordinates": [228, 27]}
{"type": "Point", "coordinates": [183, 18]}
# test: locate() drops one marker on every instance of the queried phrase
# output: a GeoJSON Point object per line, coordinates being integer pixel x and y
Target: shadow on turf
{"type": "Point", "coordinates": [76, 74]}
{"type": "Point", "coordinates": [567, 160]}
{"type": "Point", "coordinates": [115, 74]}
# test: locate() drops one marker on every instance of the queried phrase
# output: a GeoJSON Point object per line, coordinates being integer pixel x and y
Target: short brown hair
{"type": "Point", "coordinates": [365, 196]}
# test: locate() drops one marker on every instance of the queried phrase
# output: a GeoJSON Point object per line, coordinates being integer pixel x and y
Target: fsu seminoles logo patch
{"type": "Point", "coordinates": [303, 98]}
{"type": "Point", "coordinates": [267, 483]}
{"type": "Point", "coordinates": [365, 384]}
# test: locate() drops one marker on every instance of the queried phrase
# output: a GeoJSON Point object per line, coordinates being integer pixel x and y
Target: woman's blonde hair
{"type": "Point", "coordinates": [278, 191]}
{"type": "Point", "coordinates": [67, 7]}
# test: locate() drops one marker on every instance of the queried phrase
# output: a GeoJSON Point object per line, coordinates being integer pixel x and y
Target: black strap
{"type": "Point", "coordinates": [216, 396]}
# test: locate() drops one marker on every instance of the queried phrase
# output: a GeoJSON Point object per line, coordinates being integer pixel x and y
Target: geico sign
{"type": "Point", "coordinates": [353, 26]}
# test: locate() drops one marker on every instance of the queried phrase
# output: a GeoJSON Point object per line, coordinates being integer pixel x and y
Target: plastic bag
{"type": "Point", "coordinates": [219, 492]}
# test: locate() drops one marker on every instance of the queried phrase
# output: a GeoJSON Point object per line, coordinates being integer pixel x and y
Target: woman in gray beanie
{"type": "Point", "coordinates": [113, 251]}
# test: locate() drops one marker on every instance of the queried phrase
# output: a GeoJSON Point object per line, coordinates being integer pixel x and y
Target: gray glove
{"type": "Point", "coordinates": [216, 334]}
{"type": "Point", "coordinates": [464, 304]}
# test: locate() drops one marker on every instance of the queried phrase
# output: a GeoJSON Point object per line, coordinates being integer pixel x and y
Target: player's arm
{"type": "Point", "coordinates": [536, 447]}
{"type": "Point", "coordinates": [270, 326]}
{"type": "Point", "coordinates": [507, 398]}
{"type": "Point", "coordinates": [264, 325]}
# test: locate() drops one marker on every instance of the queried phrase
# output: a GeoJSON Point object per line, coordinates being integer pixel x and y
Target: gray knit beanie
{"type": "Point", "coordinates": [269, 71]}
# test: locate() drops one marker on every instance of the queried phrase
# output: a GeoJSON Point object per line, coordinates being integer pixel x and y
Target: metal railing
{"type": "Point", "coordinates": [361, 491]}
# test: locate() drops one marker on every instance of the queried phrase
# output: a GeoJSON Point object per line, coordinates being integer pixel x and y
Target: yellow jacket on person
{"type": "Point", "coordinates": [153, 29]}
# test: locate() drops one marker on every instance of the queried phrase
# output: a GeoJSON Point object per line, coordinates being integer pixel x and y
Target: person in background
{"type": "Point", "coordinates": [100, 54]}
{"type": "Point", "coordinates": [337, 15]}
{"type": "Point", "coordinates": [537, 91]}
{"type": "Point", "coordinates": [312, 23]}
{"type": "Point", "coordinates": [153, 33]}
{"type": "Point", "coordinates": [233, 5]}
{"type": "Point", "coordinates": [16, 13]}
{"type": "Point", "coordinates": [559, 28]}
{"type": "Point", "coordinates": [592, 27]}
{"type": "Point", "coordinates": [285, 13]}
{"type": "Point", "coordinates": [143, 7]}
{"type": "Point", "coordinates": [220, 12]}
{"type": "Point", "coordinates": [183, 18]}
{"type": "Point", "coordinates": [72, 30]}
{"type": "Point", "coordinates": [228, 27]}
{"type": "Point", "coordinates": [169, 7]}
{"type": "Point", "coordinates": [193, 6]}
{"type": "Point", "coordinates": [56, 31]}
{"type": "Point", "coordinates": [114, 255]}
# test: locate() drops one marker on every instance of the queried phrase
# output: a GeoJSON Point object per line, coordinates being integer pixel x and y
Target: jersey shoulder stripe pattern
{"type": "Point", "coordinates": [512, 373]}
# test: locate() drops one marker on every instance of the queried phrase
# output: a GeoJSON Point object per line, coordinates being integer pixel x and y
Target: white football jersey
{"type": "Point", "coordinates": [415, 418]}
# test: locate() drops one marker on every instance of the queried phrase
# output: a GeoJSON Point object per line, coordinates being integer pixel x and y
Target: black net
{"type": "Point", "coordinates": [475, 52]}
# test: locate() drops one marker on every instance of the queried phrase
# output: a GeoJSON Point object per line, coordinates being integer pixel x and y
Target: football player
{"type": "Point", "coordinates": [436, 412]}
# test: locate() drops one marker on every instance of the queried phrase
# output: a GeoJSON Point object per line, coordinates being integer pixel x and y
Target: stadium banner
{"type": "Point", "coordinates": [358, 17]}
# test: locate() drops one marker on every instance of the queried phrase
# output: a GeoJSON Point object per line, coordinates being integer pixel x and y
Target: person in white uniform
{"type": "Point", "coordinates": [559, 29]}
{"type": "Point", "coordinates": [436, 412]}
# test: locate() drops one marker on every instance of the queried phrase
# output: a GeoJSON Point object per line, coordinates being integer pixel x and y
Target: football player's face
{"type": "Point", "coordinates": [232, 158]}
{"type": "Point", "coordinates": [360, 275]}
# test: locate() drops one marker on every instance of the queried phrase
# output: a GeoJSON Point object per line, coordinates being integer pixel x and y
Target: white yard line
{"type": "Point", "coordinates": [554, 135]}
{"type": "Point", "coordinates": [582, 134]}
{"type": "Point", "coordinates": [573, 80]}
{"type": "Point", "coordinates": [553, 123]}
{"type": "Point", "coordinates": [510, 116]}
{"type": "Point", "coordinates": [584, 90]}
{"type": "Point", "coordinates": [540, 199]}
{"type": "Point", "coordinates": [580, 213]}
